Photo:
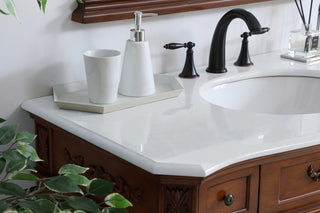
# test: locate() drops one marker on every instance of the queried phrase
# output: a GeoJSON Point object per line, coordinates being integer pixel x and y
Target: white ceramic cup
{"type": "Point", "coordinates": [103, 71]}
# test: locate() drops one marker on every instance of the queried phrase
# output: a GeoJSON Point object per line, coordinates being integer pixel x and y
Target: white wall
{"type": "Point", "coordinates": [45, 50]}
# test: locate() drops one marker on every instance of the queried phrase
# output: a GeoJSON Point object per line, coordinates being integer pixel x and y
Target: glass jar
{"type": "Point", "coordinates": [304, 44]}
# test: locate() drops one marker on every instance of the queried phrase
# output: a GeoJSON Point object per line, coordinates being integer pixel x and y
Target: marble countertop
{"type": "Point", "coordinates": [187, 135]}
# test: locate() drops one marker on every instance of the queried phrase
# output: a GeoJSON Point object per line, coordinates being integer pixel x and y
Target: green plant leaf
{"type": "Point", "coordinates": [7, 134]}
{"type": "Point", "coordinates": [11, 8]}
{"type": "Point", "coordinates": [16, 162]}
{"type": "Point", "coordinates": [34, 206]}
{"type": "Point", "coordinates": [58, 197]}
{"type": "Point", "coordinates": [1, 119]}
{"type": "Point", "coordinates": [11, 189]}
{"type": "Point", "coordinates": [64, 205]}
{"type": "Point", "coordinates": [99, 187]}
{"type": "Point", "coordinates": [71, 168]}
{"type": "Point", "coordinates": [32, 189]}
{"type": "Point", "coordinates": [12, 155]}
{"type": "Point", "coordinates": [28, 152]}
{"type": "Point", "coordinates": [23, 176]}
{"type": "Point", "coordinates": [22, 211]}
{"type": "Point", "coordinates": [78, 179]}
{"type": "Point", "coordinates": [117, 200]}
{"type": "Point", "coordinates": [2, 164]}
{"type": "Point", "coordinates": [80, 1]}
{"type": "Point", "coordinates": [25, 137]}
{"type": "Point", "coordinates": [51, 196]}
{"type": "Point", "coordinates": [62, 184]}
{"type": "Point", "coordinates": [44, 5]}
{"type": "Point", "coordinates": [16, 166]}
{"type": "Point", "coordinates": [47, 204]}
{"type": "Point", "coordinates": [30, 168]}
{"type": "Point", "coordinates": [83, 203]}
{"type": "Point", "coordinates": [3, 205]}
{"type": "Point", "coordinates": [39, 4]}
{"type": "Point", "coordinates": [114, 210]}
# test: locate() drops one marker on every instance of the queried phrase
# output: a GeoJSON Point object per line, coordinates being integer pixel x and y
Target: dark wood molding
{"type": "Point", "coordinates": [93, 11]}
{"type": "Point", "coordinates": [43, 149]}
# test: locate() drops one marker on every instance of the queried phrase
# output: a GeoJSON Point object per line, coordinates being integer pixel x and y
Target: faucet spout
{"type": "Point", "coordinates": [217, 51]}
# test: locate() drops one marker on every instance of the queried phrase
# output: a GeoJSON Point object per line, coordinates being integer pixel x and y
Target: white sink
{"type": "Point", "coordinates": [271, 94]}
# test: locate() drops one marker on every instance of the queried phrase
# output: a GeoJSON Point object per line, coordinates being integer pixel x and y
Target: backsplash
{"type": "Point", "coordinates": [43, 51]}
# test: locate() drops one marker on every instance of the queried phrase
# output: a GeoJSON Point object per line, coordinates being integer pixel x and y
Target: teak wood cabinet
{"type": "Point", "coordinates": [286, 182]}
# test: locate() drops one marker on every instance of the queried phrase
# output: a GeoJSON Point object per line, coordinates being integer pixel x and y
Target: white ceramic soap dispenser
{"type": "Point", "coordinates": [137, 74]}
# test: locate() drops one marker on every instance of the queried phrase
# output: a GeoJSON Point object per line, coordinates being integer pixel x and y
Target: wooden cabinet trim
{"type": "Point", "coordinates": [93, 11]}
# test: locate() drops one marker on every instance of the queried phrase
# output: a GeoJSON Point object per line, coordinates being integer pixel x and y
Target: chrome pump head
{"type": "Point", "coordinates": [138, 34]}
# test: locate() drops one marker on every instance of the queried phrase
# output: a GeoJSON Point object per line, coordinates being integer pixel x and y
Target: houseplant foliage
{"type": "Point", "coordinates": [52, 194]}
{"type": "Point", "coordinates": [11, 9]}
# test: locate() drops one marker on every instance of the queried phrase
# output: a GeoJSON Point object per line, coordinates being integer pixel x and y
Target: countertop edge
{"type": "Point", "coordinates": [134, 158]}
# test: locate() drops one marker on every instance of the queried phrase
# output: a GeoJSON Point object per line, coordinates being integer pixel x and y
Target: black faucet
{"type": "Point", "coordinates": [217, 51]}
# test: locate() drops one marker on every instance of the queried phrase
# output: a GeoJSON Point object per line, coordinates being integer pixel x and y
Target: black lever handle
{"type": "Point", "coordinates": [189, 71]}
{"type": "Point", "coordinates": [173, 46]}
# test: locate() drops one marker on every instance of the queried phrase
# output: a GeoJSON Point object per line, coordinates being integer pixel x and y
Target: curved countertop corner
{"type": "Point", "coordinates": [186, 135]}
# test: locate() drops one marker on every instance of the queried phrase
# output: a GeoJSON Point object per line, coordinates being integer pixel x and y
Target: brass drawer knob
{"type": "Point", "coordinates": [228, 199]}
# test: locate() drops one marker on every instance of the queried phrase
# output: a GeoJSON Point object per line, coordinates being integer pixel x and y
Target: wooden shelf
{"type": "Point", "coordinates": [93, 11]}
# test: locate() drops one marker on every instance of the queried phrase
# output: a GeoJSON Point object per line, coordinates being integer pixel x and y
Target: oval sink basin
{"type": "Point", "coordinates": [266, 94]}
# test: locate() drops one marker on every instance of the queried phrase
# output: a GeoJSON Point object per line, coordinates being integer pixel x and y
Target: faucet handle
{"type": "Point", "coordinates": [244, 57]}
{"type": "Point", "coordinates": [173, 46]}
{"type": "Point", "coordinates": [189, 70]}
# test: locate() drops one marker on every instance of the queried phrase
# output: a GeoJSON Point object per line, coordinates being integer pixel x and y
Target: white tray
{"type": "Point", "coordinates": [301, 58]}
{"type": "Point", "coordinates": [75, 96]}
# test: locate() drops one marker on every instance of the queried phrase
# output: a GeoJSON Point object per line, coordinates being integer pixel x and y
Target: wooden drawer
{"type": "Point", "coordinates": [243, 185]}
{"type": "Point", "coordinates": [286, 184]}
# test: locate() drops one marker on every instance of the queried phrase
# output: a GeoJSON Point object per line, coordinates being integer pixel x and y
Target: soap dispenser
{"type": "Point", "coordinates": [137, 74]}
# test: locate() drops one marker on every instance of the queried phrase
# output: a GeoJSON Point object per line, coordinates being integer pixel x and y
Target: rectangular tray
{"type": "Point", "coordinates": [74, 96]}
{"type": "Point", "coordinates": [301, 58]}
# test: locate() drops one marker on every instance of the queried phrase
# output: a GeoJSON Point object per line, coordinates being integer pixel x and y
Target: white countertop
{"type": "Point", "coordinates": [187, 135]}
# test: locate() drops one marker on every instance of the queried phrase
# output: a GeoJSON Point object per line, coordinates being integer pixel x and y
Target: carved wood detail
{"type": "Point", "coordinates": [178, 199]}
{"type": "Point", "coordinates": [121, 186]}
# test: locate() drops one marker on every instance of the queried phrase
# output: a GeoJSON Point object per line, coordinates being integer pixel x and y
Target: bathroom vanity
{"type": "Point", "coordinates": [187, 155]}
